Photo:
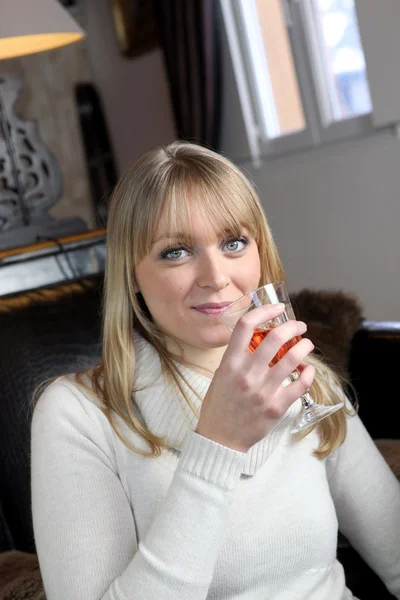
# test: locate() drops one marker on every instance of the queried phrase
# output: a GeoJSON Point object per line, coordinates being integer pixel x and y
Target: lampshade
{"type": "Point", "coordinates": [30, 26]}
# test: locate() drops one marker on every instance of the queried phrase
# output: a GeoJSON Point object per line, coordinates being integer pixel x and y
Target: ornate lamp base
{"type": "Point", "coordinates": [30, 178]}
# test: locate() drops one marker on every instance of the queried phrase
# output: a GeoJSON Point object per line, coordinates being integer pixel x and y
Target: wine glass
{"type": "Point", "coordinates": [274, 293]}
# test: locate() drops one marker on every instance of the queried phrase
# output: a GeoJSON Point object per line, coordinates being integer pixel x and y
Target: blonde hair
{"type": "Point", "coordinates": [160, 183]}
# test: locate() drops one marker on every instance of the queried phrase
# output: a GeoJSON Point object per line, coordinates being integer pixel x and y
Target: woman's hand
{"type": "Point", "coordinates": [246, 396]}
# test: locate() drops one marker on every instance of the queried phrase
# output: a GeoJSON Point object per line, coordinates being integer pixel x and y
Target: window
{"type": "Point", "coordinates": [300, 69]}
{"type": "Point", "coordinates": [338, 58]}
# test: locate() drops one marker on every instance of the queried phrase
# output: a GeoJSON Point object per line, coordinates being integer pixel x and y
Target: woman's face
{"type": "Point", "coordinates": [186, 287]}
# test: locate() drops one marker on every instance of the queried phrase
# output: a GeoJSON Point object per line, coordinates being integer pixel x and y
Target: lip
{"type": "Point", "coordinates": [212, 308]}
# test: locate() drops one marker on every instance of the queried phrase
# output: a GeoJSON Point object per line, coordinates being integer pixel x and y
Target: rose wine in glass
{"type": "Point", "coordinates": [274, 293]}
{"type": "Point", "coordinates": [260, 334]}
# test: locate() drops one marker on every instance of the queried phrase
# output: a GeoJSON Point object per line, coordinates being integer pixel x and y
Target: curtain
{"type": "Point", "coordinates": [189, 38]}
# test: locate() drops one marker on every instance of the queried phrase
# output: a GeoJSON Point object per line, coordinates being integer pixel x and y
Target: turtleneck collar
{"type": "Point", "coordinates": [166, 413]}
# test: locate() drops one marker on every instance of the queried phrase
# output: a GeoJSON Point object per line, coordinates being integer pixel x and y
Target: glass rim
{"type": "Point", "coordinates": [236, 312]}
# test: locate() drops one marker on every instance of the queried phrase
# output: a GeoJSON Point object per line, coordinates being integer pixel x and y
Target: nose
{"type": "Point", "coordinates": [213, 272]}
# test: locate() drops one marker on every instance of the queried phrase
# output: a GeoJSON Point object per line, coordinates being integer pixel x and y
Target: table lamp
{"type": "Point", "coordinates": [28, 27]}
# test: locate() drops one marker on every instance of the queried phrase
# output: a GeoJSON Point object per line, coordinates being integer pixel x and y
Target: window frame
{"type": "Point", "coordinates": [298, 18]}
{"type": "Point", "coordinates": [338, 130]}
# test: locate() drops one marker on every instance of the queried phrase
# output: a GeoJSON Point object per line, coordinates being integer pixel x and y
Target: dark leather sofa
{"type": "Point", "coordinates": [56, 329]}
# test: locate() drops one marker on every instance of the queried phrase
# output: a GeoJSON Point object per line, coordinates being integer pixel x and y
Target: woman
{"type": "Point", "coordinates": [169, 471]}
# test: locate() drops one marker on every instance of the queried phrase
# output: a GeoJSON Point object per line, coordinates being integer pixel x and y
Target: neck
{"type": "Point", "coordinates": [204, 360]}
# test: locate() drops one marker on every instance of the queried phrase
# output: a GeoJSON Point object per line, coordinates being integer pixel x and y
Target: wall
{"type": "Point", "coordinates": [335, 214]}
{"type": "Point", "coordinates": [134, 92]}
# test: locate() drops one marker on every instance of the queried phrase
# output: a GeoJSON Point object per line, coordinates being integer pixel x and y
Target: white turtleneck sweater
{"type": "Point", "coordinates": [202, 520]}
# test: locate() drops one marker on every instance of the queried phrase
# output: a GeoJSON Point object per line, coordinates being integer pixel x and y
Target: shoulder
{"type": "Point", "coordinates": [63, 394]}
{"type": "Point", "coordinates": [68, 410]}
{"type": "Point", "coordinates": [67, 404]}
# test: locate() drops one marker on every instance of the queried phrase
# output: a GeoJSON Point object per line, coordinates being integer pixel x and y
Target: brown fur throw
{"type": "Point", "coordinates": [20, 577]}
{"type": "Point", "coordinates": [332, 318]}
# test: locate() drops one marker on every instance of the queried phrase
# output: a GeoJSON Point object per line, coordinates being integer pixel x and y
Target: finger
{"type": "Point", "coordinates": [282, 336]}
{"type": "Point", "coordinates": [292, 392]}
{"type": "Point", "coordinates": [246, 325]}
{"type": "Point", "coordinates": [291, 361]}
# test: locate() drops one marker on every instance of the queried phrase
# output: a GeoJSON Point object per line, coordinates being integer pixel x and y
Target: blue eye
{"type": "Point", "coordinates": [173, 253]}
{"type": "Point", "coordinates": [236, 244]}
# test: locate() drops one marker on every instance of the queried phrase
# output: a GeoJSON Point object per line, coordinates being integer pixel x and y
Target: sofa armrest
{"type": "Point", "coordinates": [373, 363]}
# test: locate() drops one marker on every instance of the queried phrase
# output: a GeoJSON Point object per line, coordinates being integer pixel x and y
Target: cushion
{"type": "Point", "coordinates": [20, 577]}
{"type": "Point", "coordinates": [332, 318]}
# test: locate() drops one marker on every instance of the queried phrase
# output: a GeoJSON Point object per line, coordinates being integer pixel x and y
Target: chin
{"type": "Point", "coordinates": [212, 339]}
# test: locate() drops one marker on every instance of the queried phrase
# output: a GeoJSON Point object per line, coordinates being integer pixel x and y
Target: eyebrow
{"type": "Point", "coordinates": [171, 236]}
{"type": "Point", "coordinates": [184, 236]}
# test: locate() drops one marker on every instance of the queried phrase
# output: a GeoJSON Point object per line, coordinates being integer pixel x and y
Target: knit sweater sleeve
{"type": "Point", "coordinates": [83, 522]}
{"type": "Point", "coordinates": [367, 499]}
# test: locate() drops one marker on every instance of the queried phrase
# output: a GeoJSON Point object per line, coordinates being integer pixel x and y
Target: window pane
{"type": "Point", "coordinates": [282, 74]}
{"type": "Point", "coordinates": [342, 58]}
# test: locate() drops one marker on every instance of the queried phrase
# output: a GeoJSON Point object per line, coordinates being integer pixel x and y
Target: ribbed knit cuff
{"type": "Point", "coordinates": [211, 461]}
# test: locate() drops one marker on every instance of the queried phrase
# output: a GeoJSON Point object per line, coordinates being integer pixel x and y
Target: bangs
{"type": "Point", "coordinates": [225, 204]}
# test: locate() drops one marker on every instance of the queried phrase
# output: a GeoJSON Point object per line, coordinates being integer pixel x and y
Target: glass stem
{"type": "Point", "coordinates": [306, 399]}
